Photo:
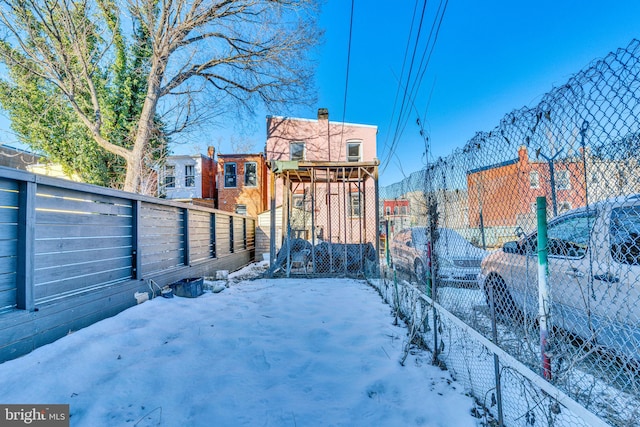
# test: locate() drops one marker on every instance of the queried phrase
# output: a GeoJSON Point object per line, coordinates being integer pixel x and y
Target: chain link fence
{"type": "Point", "coordinates": [517, 257]}
{"type": "Point", "coordinates": [328, 219]}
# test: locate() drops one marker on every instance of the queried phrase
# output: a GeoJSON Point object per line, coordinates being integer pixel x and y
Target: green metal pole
{"type": "Point", "coordinates": [543, 285]}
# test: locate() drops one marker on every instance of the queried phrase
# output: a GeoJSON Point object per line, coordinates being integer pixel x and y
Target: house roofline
{"type": "Point", "coordinates": [316, 121]}
{"type": "Point", "coordinates": [495, 166]}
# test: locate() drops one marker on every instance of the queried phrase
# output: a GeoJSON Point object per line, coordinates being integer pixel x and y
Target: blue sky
{"type": "Point", "coordinates": [490, 58]}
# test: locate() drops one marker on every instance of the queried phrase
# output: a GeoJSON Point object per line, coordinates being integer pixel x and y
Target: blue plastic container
{"type": "Point", "coordinates": [189, 288]}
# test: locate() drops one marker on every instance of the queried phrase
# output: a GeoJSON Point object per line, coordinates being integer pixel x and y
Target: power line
{"type": "Point", "coordinates": [404, 61]}
{"type": "Point", "coordinates": [410, 95]}
{"type": "Point", "coordinates": [346, 84]}
{"type": "Point", "coordinates": [404, 97]}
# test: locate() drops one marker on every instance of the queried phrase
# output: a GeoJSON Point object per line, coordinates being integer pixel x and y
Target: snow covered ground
{"type": "Point", "coordinates": [282, 352]}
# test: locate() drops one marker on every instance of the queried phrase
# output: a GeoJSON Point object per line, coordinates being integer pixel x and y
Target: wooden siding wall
{"type": "Point", "coordinates": [72, 254]}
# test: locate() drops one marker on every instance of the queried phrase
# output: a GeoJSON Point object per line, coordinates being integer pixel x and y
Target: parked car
{"type": "Point", "coordinates": [457, 260]}
{"type": "Point", "coordinates": [593, 275]}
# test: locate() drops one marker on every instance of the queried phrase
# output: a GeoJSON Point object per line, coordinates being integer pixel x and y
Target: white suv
{"type": "Point", "coordinates": [594, 274]}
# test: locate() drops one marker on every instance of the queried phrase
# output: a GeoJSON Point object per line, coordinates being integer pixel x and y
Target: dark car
{"type": "Point", "coordinates": [457, 260]}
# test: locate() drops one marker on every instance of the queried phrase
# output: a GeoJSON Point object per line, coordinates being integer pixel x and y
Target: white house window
{"type": "Point", "coordinates": [170, 176]}
{"type": "Point", "coordinates": [189, 176]}
{"type": "Point", "coordinates": [241, 209]}
{"type": "Point", "coordinates": [250, 174]}
{"type": "Point", "coordinates": [354, 151]}
{"type": "Point", "coordinates": [355, 204]}
{"type": "Point", "coordinates": [562, 180]}
{"type": "Point", "coordinates": [296, 150]}
{"type": "Point", "coordinates": [403, 210]}
{"type": "Point", "coordinates": [388, 210]}
{"type": "Point", "coordinates": [230, 175]}
{"type": "Point", "coordinates": [534, 179]}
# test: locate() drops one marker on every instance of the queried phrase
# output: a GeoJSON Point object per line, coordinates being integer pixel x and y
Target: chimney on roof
{"type": "Point", "coordinates": [323, 114]}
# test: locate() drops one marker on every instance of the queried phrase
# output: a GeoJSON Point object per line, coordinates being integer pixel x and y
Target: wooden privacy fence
{"type": "Point", "coordinates": [72, 254]}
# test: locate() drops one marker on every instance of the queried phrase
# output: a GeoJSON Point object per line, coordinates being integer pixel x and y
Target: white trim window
{"type": "Point", "coordinates": [230, 175]}
{"type": "Point", "coordinates": [250, 174]}
{"type": "Point", "coordinates": [354, 151]}
{"type": "Point", "coordinates": [170, 176]}
{"type": "Point", "coordinates": [354, 205]}
{"type": "Point", "coordinates": [534, 179]}
{"type": "Point", "coordinates": [189, 176]}
{"type": "Point", "coordinates": [296, 150]}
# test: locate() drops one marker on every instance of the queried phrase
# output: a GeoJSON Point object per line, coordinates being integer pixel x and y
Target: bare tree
{"type": "Point", "coordinates": [206, 56]}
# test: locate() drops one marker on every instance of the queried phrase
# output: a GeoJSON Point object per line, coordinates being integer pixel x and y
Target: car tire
{"type": "Point", "coordinates": [505, 306]}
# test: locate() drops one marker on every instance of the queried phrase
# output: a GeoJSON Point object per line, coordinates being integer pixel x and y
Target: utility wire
{"type": "Point", "coordinates": [346, 84]}
{"type": "Point", "coordinates": [424, 65]}
{"type": "Point", "coordinates": [394, 142]}
{"type": "Point", "coordinates": [410, 95]}
{"type": "Point", "coordinates": [404, 62]}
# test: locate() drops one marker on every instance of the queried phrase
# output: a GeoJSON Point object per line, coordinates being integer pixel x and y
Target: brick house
{"type": "Point", "coordinates": [398, 213]}
{"type": "Point", "coordinates": [242, 183]}
{"type": "Point", "coordinates": [507, 192]}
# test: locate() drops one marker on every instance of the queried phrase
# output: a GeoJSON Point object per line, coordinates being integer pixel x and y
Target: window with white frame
{"type": "Point", "coordinates": [296, 150]}
{"type": "Point", "coordinates": [354, 205]}
{"type": "Point", "coordinates": [250, 174]}
{"type": "Point", "coordinates": [170, 176]}
{"type": "Point", "coordinates": [562, 180]}
{"type": "Point", "coordinates": [534, 179]}
{"type": "Point", "coordinates": [388, 210]}
{"type": "Point", "coordinates": [354, 151]}
{"type": "Point", "coordinates": [241, 209]}
{"type": "Point", "coordinates": [230, 175]}
{"type": "Point", "coordinates": [189, 176]}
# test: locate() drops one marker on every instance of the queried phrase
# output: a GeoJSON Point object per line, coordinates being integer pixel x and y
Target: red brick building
{"type": "Point", "coordinates": [507, 192]}
{"type": "Point", "coordinates": [242, 183]}
{"type": "Point", "coordinates": [397, 212]}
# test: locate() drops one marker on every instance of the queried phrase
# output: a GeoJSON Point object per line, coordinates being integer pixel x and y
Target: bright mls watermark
{"type": "Point", "coordinates": [34, 415]}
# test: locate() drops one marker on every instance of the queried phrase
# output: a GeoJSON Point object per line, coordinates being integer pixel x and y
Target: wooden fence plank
{"type": "Point", "coordinates": [77, 245]}
{"type": "Point", "coordinates": [70, 259]}
{"type": "Point", "coordinates": [80, 219]}
{"type": "Point", "coordinates": [7, 298]}
{"type": "Point", "coordinates": [69, 232]}
{"type": "Point", "coordinates": [80, 206]}
{"type": "Point", "coordinates": [8, 215]}
{"type": "Point", "coordinates": [9, 198]}
{"type": "Point", "coordinates": [8, 265]}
